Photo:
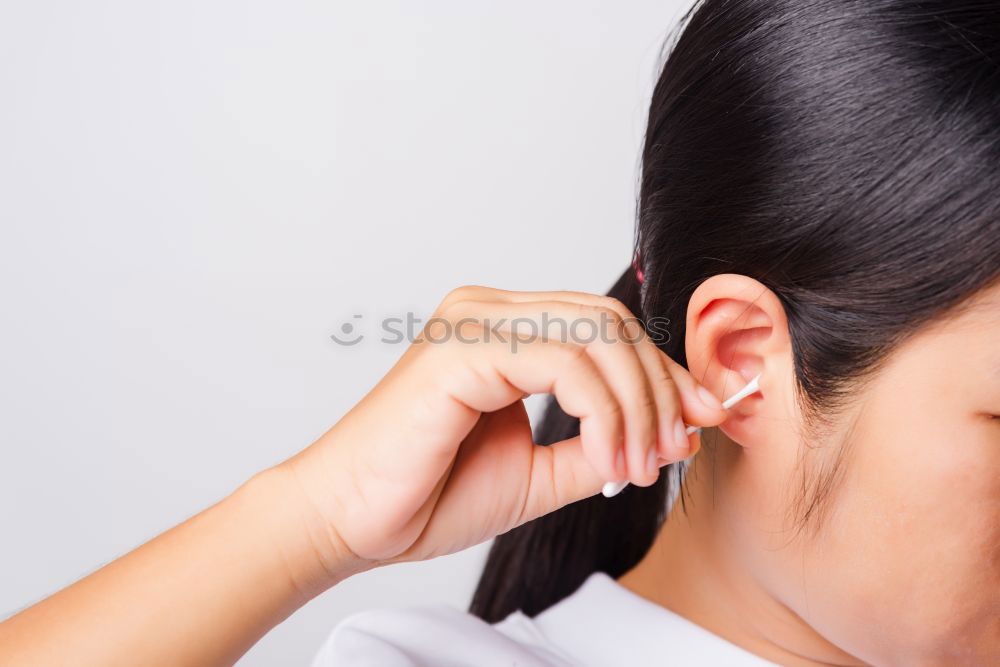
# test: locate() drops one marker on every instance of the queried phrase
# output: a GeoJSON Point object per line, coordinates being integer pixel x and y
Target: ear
{"type": "Point", "coordinates": [736, 329]}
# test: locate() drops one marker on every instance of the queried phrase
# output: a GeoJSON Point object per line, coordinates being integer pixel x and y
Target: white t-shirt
{"type": "Point", "coordinates": [602, 623]}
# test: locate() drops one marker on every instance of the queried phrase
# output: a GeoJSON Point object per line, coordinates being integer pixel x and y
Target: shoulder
{"type": "Point", "coordinates": [435, 635]}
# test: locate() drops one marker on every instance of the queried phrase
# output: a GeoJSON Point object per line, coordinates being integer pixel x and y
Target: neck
{"type": "Point", "coordinates": [695, 571]}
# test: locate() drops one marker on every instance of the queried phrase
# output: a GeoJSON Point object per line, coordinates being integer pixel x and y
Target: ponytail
{"type": "Point", "coordinates": [539, 563]}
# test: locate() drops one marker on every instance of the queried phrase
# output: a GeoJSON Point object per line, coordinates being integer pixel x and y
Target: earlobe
{"type": "Point", "coordinates": [736, 329]}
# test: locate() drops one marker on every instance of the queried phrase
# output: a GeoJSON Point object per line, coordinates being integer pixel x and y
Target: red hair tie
{"type": "Point", "coordinates": [639, 275]}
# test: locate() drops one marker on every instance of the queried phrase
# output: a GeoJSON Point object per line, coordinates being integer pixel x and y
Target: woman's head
{"type": "Point", "coordinates": [845, 155]}
{"type": "Point", "coordinates": [820, 202]}
{"type": "Point", "coordinates": [879, 532]}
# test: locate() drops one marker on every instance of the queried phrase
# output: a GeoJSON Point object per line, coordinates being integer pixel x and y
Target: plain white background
{"type": "Point", "coordinates": [196, 195]}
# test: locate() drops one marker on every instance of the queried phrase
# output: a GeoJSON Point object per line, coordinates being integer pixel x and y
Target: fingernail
{"type": "Point", "coordinates": [708, 398]}
{"type": "Point", "coordinates": [651, 466]}
{"type": "Point", "coordinates": [620, 464]}
{"type": "Point", "coordinates": [681, 442]}
{"type": "Point", "coordinates": [696, 445]}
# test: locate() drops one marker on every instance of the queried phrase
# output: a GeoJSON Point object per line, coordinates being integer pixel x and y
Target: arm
{"type": "Point", "coordinates": [201, 593]}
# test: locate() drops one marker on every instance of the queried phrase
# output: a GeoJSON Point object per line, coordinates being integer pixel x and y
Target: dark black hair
{"type": "Point", "coordinates": [847, 156]}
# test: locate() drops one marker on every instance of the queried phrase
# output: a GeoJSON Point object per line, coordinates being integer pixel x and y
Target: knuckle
{"type": "Point", "coordinates": [616, 305]}
{"type": "Point", "coordinates": [614, 410]}
{"type": "Point", "coordinates": [670, 401]}
{"type": "Point", "coordinates": [612, 315]}
{"type": "Point", "coordinates": [610, 302]}
{"type": "Point", "coordinates": [646, 403]}
{"type": "Point", "coordinates": [572, 354]}
{"type": "Point", "coordinates": [457, 295]}
{"type": "Point", "coordinates": [452, 310]}
{"type": "Point", "coordinates": [665, 382]}
{"type": "Point", "coordinates": [606, 323]}
{"type": "Point", "coordinates": [585, 310]}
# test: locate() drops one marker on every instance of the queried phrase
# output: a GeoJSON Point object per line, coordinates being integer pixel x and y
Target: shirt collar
{"type": "Point", "coordinates": [604, 623]}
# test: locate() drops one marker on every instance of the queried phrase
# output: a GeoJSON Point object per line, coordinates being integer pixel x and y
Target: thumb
{"type": "Point", "coordinates": [560, 475]}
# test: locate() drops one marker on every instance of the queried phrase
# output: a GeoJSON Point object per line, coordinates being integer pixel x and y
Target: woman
{"type": "Point", "coordinates": [819, 205]}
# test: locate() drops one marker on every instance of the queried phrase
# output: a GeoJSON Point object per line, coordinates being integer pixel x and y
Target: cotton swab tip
{"type": "Point", "coordinates": [612, 489]}
{"type": "Point", "coordinates": [751, 388]}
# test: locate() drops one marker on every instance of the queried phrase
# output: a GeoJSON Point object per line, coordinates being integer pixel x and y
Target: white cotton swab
{"type": "Point", "coordinates": [614, 488]}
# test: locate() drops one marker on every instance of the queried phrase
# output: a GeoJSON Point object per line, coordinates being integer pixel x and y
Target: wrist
{"type": "Point", "coordinates": [301, 538]}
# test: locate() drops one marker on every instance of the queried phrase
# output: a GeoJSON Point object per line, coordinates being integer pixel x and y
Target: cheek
{"type": "Point", "coordinates": [915, 535]}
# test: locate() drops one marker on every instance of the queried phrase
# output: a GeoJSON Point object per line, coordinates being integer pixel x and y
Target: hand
{"type": "Point", "coordinates": [439, 455]}
{"type": "Point", "coordinates": [436, 458]}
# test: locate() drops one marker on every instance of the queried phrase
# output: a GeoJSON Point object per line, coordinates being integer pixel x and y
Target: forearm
{"type": "Point", "coordinates": [201, 593]}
